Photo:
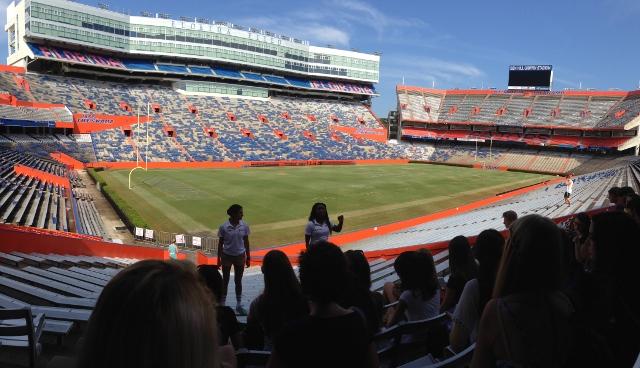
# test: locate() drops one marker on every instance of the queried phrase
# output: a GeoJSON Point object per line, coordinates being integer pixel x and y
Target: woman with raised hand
{"type": "Point", "coordinates": [319, 226]}
{"type": "Point", "coordinates": [234, 250]}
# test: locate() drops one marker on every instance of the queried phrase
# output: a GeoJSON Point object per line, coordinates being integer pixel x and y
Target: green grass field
{"type": "Point", "coordinates": [277, 201]}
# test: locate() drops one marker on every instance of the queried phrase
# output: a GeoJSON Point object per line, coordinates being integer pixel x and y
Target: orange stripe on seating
{"type": "Point", "coordinates": [12, 69]}
{"type": "Point", "coordinates": [44, 176]}
{"type": "Point", "coordinates": [69, 161]}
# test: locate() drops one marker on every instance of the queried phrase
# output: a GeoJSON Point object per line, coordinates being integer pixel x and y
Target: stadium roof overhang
{"type": "Point", "coordinates": [633, 142]}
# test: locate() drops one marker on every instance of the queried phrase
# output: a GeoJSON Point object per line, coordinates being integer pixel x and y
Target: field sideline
{"type": "Point", "coordinates": [277, 201]}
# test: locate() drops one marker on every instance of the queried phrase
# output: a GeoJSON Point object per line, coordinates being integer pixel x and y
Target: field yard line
{"type": "Point", "coordinates": [177, 215]}
{"type": "Point", "coordinates": [387, 207]}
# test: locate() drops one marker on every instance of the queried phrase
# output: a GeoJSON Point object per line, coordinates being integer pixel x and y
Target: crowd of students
{"type": "Point", "coordinates": [536, 295]}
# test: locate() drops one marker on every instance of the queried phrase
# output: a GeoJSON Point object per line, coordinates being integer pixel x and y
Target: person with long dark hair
{"type": "Point", "coordinates": [527, 323]}
{"type": "Point", "coordinates": [419, 289]}
{"type": "Point", "coordinates": [152, 314]}
{"type": "Point", "coordinates": [331, 336]}
{"type": "Point", "coordinates": [462, 268]}
{"type": "Point", "coordinates": [234, 250]}
{"type": "Point", "coordinates": [360, 296]}
{"type": "Point", "coordinates": [280, 302]}
{"type": "Point", "coordinates": [477, 292]}
{"type": "Point", "coordinates": [319, 226]}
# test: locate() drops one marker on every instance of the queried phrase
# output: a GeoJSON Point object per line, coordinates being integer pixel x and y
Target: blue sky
{"type": "Point", "coordinates": [456, 44]}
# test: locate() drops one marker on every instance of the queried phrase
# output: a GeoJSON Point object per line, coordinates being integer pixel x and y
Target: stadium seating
{"type": "Point", "coordinates": [590, 192]}
{"type": "Point", "coordinates": [543, 109]}
{"type": "Point", "coordinates": [246, 138]}
{"type": "Point", "coordinates": [32, 202]}
{"type": "Point", "coordinates": [60, 289]}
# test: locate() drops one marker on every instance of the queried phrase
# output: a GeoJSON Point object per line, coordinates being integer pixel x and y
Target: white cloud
{"type": "Point", "coordinates": [327, 34]}
{"type": "Point", "coordinates": [333, 22]}
{"type": "Point", "coordinates": [426, 69]}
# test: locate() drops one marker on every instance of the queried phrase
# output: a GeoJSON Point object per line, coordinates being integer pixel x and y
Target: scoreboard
{"type": "Point", "coordinates": [530, 77]}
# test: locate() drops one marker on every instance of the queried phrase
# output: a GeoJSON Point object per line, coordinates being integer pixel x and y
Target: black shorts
{"type": "Point", "coordinates": [567, 194]}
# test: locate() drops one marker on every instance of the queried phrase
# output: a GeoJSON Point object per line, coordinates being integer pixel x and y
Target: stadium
{"type": "Point", "coordinates": [126, 138]}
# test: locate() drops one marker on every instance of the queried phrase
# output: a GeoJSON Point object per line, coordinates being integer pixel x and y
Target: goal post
{"type": "Point", "coordinates": [146, 148]}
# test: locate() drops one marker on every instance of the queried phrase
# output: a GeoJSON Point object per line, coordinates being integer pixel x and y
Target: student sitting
{"type": "Point", "coordinates": [331, 336]}
{"type": "Point", "coordinates": [477, 292]}
{"type": "Point", "coordinates": [280, 302]}
{"type": "Point", "coordinates": [419, 289]}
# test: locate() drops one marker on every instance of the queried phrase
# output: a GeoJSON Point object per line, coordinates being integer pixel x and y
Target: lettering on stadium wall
{"type": "Point", "coordinates": [92, 119]}
{"type": "Point", "coordinates": [75, 56]}
{"type": "Point", "coordinates": [342, 87]}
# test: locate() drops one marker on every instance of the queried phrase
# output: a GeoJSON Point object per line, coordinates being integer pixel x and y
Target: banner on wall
{"type": "Point", "coordinates": [139, 232]}
{"type": "Point", "coordinates": [78, 57]}
{"type": "Point", "coordinates": [180, 239]}
{"type": "Point", "coordinates": [197, 241]}
{"type": "Point", "coordinates": [148, 234]}
{"type": "Point", "coordinates": [342, 87]}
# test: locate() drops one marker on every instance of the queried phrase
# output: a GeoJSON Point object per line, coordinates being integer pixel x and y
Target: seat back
{"type": "Point", "coordinates": [252, 358]}
{"type": "Point", "coordinates": [413, 338]}
{"type": "Point", "coordinates": [462, 359]}
{"type": "Point", "coordinates": [14, 330]}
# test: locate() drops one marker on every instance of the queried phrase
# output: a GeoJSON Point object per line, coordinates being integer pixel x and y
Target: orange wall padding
{"type": "Point", "coordinates": [42, 175]}
{"type": "Point", "coordinates": [234, 164]}
{"type": "Point", "coordinates": [29, 240]}
{"type": "Point", "coordinates": [63, 158]}
{"type": "Point", "coordinates": [12, 69]}
{"type": "Point", "coordinates": [87, 123]}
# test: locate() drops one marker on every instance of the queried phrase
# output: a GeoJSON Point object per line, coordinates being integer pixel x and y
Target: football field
{"type": "Point", "coordinates": [277, 200]}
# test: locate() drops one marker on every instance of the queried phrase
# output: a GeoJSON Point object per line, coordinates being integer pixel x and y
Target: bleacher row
{"type": "Point", "coordinates": [62, 289]}
{"type": "Point", "coordinates": [32, 202]}
{"type": "Point", "coordinates": [42, 145]}
{"type": "Point", "coordinates": [52, 114]}
{"type": "Point", "coordinates": [513, 158]}
{"type": "Point", "coordinates": [590, 192]}
{"type": "Point", "coordinates": [90, 221]}
{"type": "Point", "coordinates": [518, 109]}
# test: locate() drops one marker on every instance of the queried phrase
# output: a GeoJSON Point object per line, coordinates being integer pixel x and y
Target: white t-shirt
{"type": "Point", "coordinates": [317, 231]}
{"type": "Point", "coordinates": [569, 186]}
{"type": "Point", "coordinates": [466, 313]}
{"type": "Point", "coordinates": [417, 308]}
{"type": "Point", "coordinates": [233, 237]}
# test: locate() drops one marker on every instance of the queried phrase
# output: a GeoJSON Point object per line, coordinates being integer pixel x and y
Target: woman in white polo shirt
{"type": "Point", "coordinates": [319, 227]}
{"type": "Point", "coordinates": [233, 250]}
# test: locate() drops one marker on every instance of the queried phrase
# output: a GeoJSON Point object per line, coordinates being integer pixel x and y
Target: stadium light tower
{"type": "Point", "coordinates": [146, 147]}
